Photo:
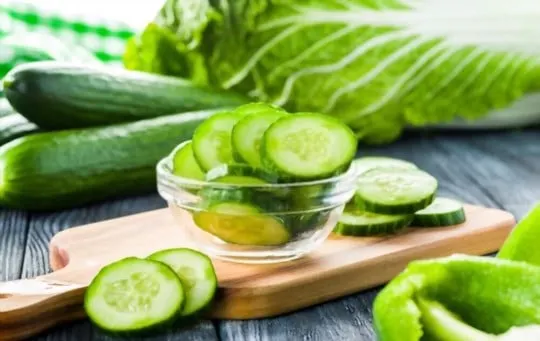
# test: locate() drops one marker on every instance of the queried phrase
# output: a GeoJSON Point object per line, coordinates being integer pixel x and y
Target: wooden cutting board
{"type": "Point", "coordinates": [343, 265]}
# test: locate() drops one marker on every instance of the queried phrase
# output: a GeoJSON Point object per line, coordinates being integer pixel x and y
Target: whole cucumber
{"type": "Point", "coordinates": [64, 169]}
{"type": "Point", "coordinates": [12, 124]}
{"type": "Point", "coordinates": [58, 95]}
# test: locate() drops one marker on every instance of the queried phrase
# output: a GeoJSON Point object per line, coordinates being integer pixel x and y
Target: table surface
{"type": "Point", "coordinates": [496, 169]}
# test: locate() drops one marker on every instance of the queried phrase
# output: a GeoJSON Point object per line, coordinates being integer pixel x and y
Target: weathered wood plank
{"type": "Point", "coordinates": [495, 169]}
{"type": "Point", "coordinates": [13, 232]}
{"type": "Point", "coordinates": [44, 225]}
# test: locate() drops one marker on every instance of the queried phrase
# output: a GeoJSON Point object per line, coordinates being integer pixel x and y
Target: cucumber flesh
{"type": "Point", "coordinates": [394, 191]}
{"type": "Point", "coordinates": [442, 212]}
{"type": "Point", "coordinates": [133, 295]}
{"type": "Point", "coordinates": [367, 163]}
{"type": "Point", "coordinates": [196, 273]}
{"type": "Point", "coordinates": [308, 146]}
{"type": "Point", "coordinates": [247, 134]}
{"type": "Point", "coordinates": [184, 163]}
{"type": "Point", "coordinates": [212, 140]}
{"type": "Point", "coordinates": [242, 224]}
{"type": "Point", "coordinates": [240, 180]}
{"type": "Point", "coordinates": [354, 222]}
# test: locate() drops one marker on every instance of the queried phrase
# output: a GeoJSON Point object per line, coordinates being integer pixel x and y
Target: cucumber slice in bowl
{"type": "Point", "coordinates": [184, 163]}
{"type": "Point", "coordinates": [197, 274]}
{"type": "Point", "coordinates": [394, 191]}
{"type": "Point", "coordinates": [308, 146]}
{"type": "Point", "coordinates": [367, 163]}
{"type": "Point", "coordinates": [257, 108]}
{"type": "Point", "coordinates": [247, 133]}
{"type": "Point", "coordinates": [134, 295]}
{"type": "Point", "coordinates": [240, 172]}
{"type": "Point", "coordinates": [242, 224]}
{"type": "Point", "coordinates": [212, 140]}
{"type": "Point", "coordinates": [442, 212]}
{"type": "Point", "coordinates": [354, 222]}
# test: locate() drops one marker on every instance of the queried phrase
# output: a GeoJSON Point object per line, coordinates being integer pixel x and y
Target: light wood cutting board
{"type": "Point", "coordinates": [343, 265]}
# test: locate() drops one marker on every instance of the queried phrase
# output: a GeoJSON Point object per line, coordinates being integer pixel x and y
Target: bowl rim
{"type": "Point", "coordinates": [164, 172]}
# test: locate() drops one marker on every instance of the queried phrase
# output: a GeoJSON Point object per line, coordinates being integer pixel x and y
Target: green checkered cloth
{"type": "Point", "coordinates": [33, 33]}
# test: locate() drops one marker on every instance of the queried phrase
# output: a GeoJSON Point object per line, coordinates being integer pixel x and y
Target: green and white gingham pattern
{"type": "Point", "coordinates": [30, 33]}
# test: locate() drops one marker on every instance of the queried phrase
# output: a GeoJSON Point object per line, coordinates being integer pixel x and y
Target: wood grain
{"type": "Point", "coordinates": [13, 232]}
{"type": "Point", "coordinates": [44, 226]}
{"type": "Point", "coordinates": [340, 267]}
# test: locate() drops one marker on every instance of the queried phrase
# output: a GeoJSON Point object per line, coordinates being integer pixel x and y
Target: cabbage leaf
{"type": "Point", "coordinates": [378, 65]}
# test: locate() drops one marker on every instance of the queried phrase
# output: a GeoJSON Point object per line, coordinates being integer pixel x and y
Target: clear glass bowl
{"type": "Point", "coordinates": [255, 223]}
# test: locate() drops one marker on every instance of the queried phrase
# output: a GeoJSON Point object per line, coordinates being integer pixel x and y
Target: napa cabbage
{"type": "Point", "coordinates": [378, 65]}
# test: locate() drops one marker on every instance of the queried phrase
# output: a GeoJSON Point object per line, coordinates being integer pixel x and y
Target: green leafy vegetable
{"type": "Point", "coordinates": [378, 65]}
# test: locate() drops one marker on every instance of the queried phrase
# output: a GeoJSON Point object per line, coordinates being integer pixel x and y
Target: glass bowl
{"type": "Point", "coordinates": [255, 223]}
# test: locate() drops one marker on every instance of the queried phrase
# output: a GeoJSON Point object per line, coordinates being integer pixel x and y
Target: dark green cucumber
{"type": "Point", "coordinates": [242, 224]}
{"type": "Point", "coordinates": [212, 140]}
{"type": "Point", "coordinates": [197, 274]}
{"type": "Point", "coordinates": [247, 134]}
{"type": "Point", "coordinates": [63, 169]}
{"type": "Point", "coordinates": [78, 96]}
{"type": "Point", "coordinates": [307, 146]}
{"type": "Point", "coordinates": [354, 222]}
{"type": "Point", "coordinates": [442, 212]}
{"type": "Point", "coordinates": [394, 191]}
{"type": "Point", "coordinates": [134, 295]}
{"type": "Point", "coordinates": [184, 163]}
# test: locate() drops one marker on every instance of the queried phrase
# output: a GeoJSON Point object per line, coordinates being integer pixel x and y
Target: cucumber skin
{"type": "Point", "coordinates": [434, 220]}
{"type": "Point", "coordinates": [187, 319]}
{"type": "Point", "coordinates": [148, 331]}
{"type": "Point", "coordinates": [373, 230]}
{"type": "Point", "coordinates": [411, 208]}
{"type": "Point", "coordinates": [65, 169]}
{"type": "Point", "coordinates": [76, 96]}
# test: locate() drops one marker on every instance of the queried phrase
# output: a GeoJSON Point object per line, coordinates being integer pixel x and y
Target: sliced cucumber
{"type": "Point", "coordinates": [247, 134]}
{"type": "Point", "coordinates": [242, 224]}
{"type": "Point", "coordinates": [212, 140]}
{"type": "Point", "coordinates": [257, 108]}
{"type": "Point", "coordinates": [184, 163]}
{"type": "Point", "coordinates": [395, 191]}
{"type": "Point", "coordinates": [354, 222]}
{"type": "Point", "coordinates": [133, 295]}
{"type": "Point", "coordinates": [196, 273]}
{"type": "Point", "coordinates": [240, 174]}
{"type": "Point", "coordinates": [367, 163]}
{"type": "Point", "coordinates": [308, 146]}
{"type": "Point", "coordinates": [442, 212]}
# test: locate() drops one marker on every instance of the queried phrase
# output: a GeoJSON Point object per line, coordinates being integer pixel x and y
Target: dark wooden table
{"type": "Point", "coordinates": [495, 169]}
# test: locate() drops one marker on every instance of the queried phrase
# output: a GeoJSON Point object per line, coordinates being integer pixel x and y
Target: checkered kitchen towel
{"type": "Point", "coordinates": [31, 33]}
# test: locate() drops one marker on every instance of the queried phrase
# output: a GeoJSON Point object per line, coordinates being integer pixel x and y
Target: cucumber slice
{"type": "Point", "coordinates": [184, 163]}
{"type": "Point", "coordinates": [247, 134]}
{"type": "Point", "coordinates": [442, 212]}
{"type": "Point", "coordinates": [133, 295]}
{"type": "Point", "coordinates": [395, 191]}
{"type": "Point", "coordinates": [257, 108]}
{"type": "Point", "coordinates": [196, 273]}
{"type": "Point", "coordinates": [212, 140]}
{"type": "Point", "coordinates": [367, 163]}
{"type": "Point", "coordinates": [240, 173]}
{"type": "Point", "coordinates": [308, 146]}
{"type": "Point", "coordinates": [354, 222]}
{"type": "Point", "coordinates": [242, 224]}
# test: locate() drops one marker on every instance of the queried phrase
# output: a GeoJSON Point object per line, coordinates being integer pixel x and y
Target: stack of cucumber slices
{"type": "Point", "coordinates": [137, 295]}
{"type": "Point", "coordinates": [393, 194]}
{"type": "Point", "coordinates": [257, 145]}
